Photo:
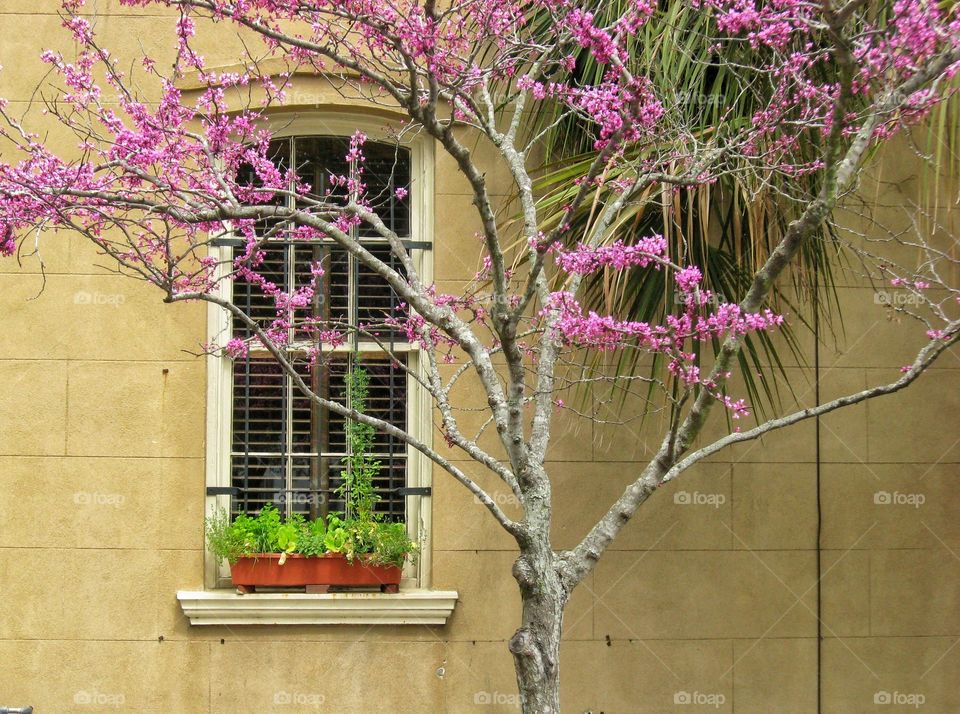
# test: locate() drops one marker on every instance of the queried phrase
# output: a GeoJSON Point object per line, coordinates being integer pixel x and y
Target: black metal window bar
{"type": "Point", "coordinates": [285, 448]}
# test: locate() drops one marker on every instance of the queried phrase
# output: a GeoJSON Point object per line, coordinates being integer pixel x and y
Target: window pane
{"type": "Point", "coordinates": [259, 406]}
{"type": "Point", "coordinates": [279, 154]}
{"type": "Point", "coordinates": [375, 299]}
{"type": "Point", "coordinates": [289, 451]}
{"type": "Point", "coordinates": [307, 471]}
{"type": "Point", "coordinates": [387, 400]}
{"type": "Point", "coordinates": [387, 168]}
{"type": "Point", "coordinates": [260, 480]}
{"type": "Point", "coordinates": [316, 430]}
{"type": "Point", "coordinates": [336, 286]}
{"type": "Point", "coordinates": [319, 158]}
{"type": "Point", "coordinates": [252, 299]}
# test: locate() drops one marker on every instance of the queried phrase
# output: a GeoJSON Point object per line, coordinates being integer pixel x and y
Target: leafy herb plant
{"type": "Point", "coordinates": [375, 542]}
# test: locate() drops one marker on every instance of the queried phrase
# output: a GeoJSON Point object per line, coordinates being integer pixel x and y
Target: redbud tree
{"type": "Point", "coordinates": [158, 173]}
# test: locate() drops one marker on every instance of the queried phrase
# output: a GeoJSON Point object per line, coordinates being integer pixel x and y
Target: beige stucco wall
{"type": "Point", "coordinates": [102, 419]}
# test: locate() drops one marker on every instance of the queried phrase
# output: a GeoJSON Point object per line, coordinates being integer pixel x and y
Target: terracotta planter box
{"type": "Point", "coordinates": [317, 573]}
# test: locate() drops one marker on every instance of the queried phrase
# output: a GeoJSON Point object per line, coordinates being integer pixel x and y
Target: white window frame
{"type": "Point", "coordinates": [416, 576]}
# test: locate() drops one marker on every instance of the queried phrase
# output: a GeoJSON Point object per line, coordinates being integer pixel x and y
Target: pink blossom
{"type": "Point", "coordinates": [617, 255]}
{"type": "Point", "coordinates": [8, 245]}
{"type": "Point", "coordinates": [237, 348]}
{"type": "Point", "coordinates": [688, 278]}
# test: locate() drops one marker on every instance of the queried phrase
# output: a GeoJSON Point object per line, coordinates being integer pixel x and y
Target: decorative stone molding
{"type": "Point", "coordinates": [227, 607]}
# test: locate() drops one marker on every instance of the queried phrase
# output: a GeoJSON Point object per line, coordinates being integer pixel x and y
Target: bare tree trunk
{"type": "Point", "coordinates": [536, 644]}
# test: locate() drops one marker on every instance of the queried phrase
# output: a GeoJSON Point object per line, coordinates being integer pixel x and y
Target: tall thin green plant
{"type": "Point", "coordinates": [358, 489]}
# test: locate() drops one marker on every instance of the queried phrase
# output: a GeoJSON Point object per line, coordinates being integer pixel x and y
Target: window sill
{"type": "Point", "coordinates": [408, 607]}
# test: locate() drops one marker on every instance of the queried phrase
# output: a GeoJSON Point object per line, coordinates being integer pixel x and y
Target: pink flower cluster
{"type": "Point", "coordinates": [606, 45]}
{"type": "Point", "coordinates": [888, 46]}
{"type": "Point", "coordinates": [903, 283]}
{"type": "Point", "coordinates": [618, 108]}
{"type": "Point", "coordinates": [672, 339]}
{"type": "Point", "coordinates": [617, 255]}
{"type": "Point", "coordinates": [771, 24]}
{"type": "Point", "coordinates": [688, 279]}
{"type": "Point", "coordinates": [8, 244]}
{"type": "Point", "coordinates": [607, 333]}
{"type": "Point", "coordinates": [601, 43]}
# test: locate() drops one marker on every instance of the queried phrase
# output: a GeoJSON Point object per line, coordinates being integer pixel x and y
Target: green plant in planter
{"type": "Point", "coordinates": [360, 532]}
{"type": "Point", "coordinates": [246, 534]}
{"type": "Point", "coordinates": [227, 540]}
{"type": "Point", "coordinates": [337, 536]}
{"type": "Point", "coordinates": [287, 536]}
{"type": "Point", "coordinates": [378, 542]}
{"type": "Point", "coordinates": [391, 544]}
{"type": "Point", "coordinates": [367, 534]}
{"type": "Point", "coordinates": [357, 489]}
{"type": "Point", "coordinates": [313, 537]}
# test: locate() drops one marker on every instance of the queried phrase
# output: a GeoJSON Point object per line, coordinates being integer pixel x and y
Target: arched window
{"type": "Point", "coordinates": [286, 449]}
{"type": "Point", "coordinates": [267, 442]}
